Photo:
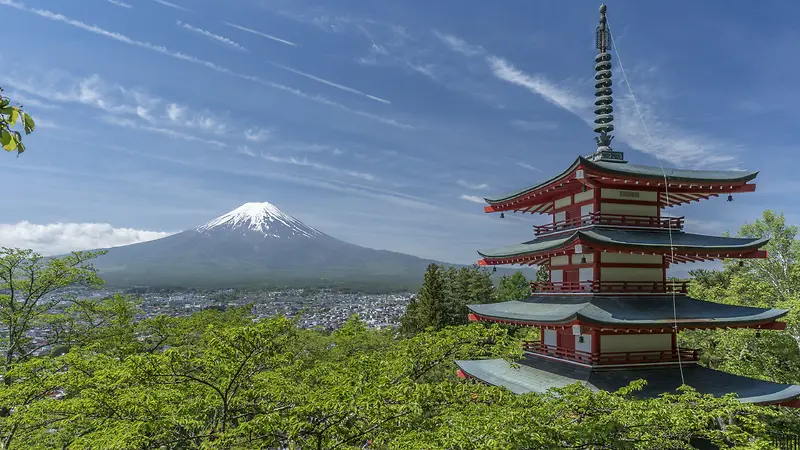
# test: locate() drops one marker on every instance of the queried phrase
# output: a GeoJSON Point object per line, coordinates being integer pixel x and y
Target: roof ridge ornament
{"type": "Point", "coordinates": [603, 108]}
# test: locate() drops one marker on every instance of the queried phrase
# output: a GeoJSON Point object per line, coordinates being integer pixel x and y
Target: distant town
{"type": "Point", "coordinates": [315, 308]}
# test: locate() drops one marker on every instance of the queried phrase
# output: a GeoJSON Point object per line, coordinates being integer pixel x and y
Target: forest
{"type": "Point", "coordinates": [102, 378]}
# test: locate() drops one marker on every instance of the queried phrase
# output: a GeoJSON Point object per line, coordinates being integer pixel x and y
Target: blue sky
{"type": "Point", "coordinates": [377, 122]}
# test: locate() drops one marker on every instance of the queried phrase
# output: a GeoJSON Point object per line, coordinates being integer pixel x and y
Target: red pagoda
{"type": "Point", "coordinates": [608, 315]}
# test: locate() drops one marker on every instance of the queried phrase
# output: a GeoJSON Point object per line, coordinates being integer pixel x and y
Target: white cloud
{"type": "Point", "coordinates": [468, 185]}
{"type": "Point", "coordinates": [537, 84]}
{"type": "Point", "coordinates": [194, 60]}
{"type": "Point", "coordinates": [128, 123]}
{"type": "Point", "coordinates": [528, 166]}
{"type": "Point", "coordinates": [60, 238]}
{"type": "Point", "coordinates": [175, 112]}
{"type": "Point", "coordinates": [473, 198]}
{"type": "Point", "coordinates": [214, 37]}
{"type": "Point", "coordinates": [116, 100]}
{"type": "Point", "coordinates": [119, 3]}
{"type": "Point", "coordinates": [659, 138]}
{"type": "Point", "coordinates": [257, 134]}
{"type": "Point", "coordinates": [458, 45]}
{"type": "Point", "coordinates": [172, 5]}
{"type": "Point", "coordinates": [305, 162]}
{"type": "Point", "coordinates": [258, 33]}
{"type": "Point", "coordinates": [331, 83]}
{"type": "Point", "coordinates": [245, 150]}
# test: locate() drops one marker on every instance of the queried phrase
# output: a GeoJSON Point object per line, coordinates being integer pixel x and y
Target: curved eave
{"type": "Point", "coordinates": [625, 170]}
{"type": "Point", "coordinates": [585, 313]}
{"type": "Point", "coordinates": [532, 375]}
{"type": "Point", "coordinates": [519, 192]}
{"type": "Point", "coordinates": [685, 175]}
{"type": "Point", "coordinates": [593, 237]}
{"type": "Point", "coordinates": [528, 251]}
{"type": "Point", "coordinates": [580, 319]}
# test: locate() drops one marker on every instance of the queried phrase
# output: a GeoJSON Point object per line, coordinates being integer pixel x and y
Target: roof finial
{"type": "Point", "coordinates": [602, 85]}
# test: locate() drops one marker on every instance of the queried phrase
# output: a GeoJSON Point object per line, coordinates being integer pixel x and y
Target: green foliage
{"type": "Point", "coordinates": [773, 282]}
{"type": "Point", "coordinates": [542, 274]}
{"type": "Point", "coordinates": [444, 295]}
{"type": "Point", "coordinates": [12, 117]}
{"type": "Point", "coordinates": [220, 380]}
{"type": "Point", "coordinates": [514, 287]}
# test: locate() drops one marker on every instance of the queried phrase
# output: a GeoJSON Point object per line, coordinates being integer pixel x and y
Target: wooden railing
{"type": "Point", "coordinates": [613, 358]}
{"type": "Point", "coordinates": [675, 223]}
{"type": "Point", "coordinates": [611, 287]}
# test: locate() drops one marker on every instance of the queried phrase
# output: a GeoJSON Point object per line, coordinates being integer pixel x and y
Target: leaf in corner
{"type": "Point", "coordinates": [30, 125]}
{"type": "Point", "coordinates": [8, 141]}
{"type": "Point", "coordinates": [13, 116]}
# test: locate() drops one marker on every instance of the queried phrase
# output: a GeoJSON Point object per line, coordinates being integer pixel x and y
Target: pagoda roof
{"type": "Point", "coordinates": [601, 237]}
{"type": "Point", "coordinates": [625, 311]}
{"type": "Point", "coordinates": [538, 375]}
{"type": "Point", "coordinates": [628, 171]}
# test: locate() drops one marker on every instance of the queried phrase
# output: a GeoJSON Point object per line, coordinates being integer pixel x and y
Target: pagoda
{"type": "Point", "coordinates": [608, 314]}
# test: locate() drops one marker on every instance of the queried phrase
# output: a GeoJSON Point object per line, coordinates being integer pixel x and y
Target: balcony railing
{"type": "Point", "coordinates": [611, 287]}
{"type": "Point", "coordinates": [675, 223]}
{"type": "Point", "coordinates": [613, 358]}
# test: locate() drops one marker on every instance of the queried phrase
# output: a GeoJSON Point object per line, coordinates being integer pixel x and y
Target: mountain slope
{"type": "Point", "coordinates": [256, 244]}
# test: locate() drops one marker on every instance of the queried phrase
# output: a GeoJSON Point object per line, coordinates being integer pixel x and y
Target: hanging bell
{"type": "Point", "coordinates": [494, 269]}
{"type": "Point", "coordinates": [503, 215]}
{"type": "Point", "coordinates": [741, 263]}
{"type": "Point", "coordinates": [583, 188]}
{"type": "Point", "coordinates": [583, 260]}
{"type": "Point", "coordinates": [758, 333]}
{"type": "Point", "coordinates": [730, 197]}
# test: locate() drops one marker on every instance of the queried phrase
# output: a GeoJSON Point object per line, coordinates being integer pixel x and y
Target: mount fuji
{"type": "Point", "coordinates": [257, 245]}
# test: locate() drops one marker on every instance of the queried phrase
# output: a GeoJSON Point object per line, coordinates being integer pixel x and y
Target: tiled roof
{"type": "Point", "coordinates": [538, 375]}
{"type": "Point", "coordinates": [625, 310]}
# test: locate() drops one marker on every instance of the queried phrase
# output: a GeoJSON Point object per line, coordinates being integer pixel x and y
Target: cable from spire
{"type": "Point", "coordinates": [602, 75]}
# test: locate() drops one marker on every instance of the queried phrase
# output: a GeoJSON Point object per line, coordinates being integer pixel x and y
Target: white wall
{"type": "Point", "coordinates": [627, 209]}
{"type": "Point", "coordinates": [560, 216]}
{"type": "Point", "coordinates": [587, 209]}
{"type": "Point", "coordinates": [587, 343]}
{"type": "Point", "coordinates": [635, 342]}
{"type": "Point", "coordinates": [583, 196]}
{"type": "Point", "coordinates": [613, 257]}
{"type": "Point", "coordinates": [557, 276]}
{"type": "Point", "coordinates": [629, 194]}
{"type": "Point", "coordinates": [561, 202]}
{"type": "Point", "coordinates": [631, 274]}
{"type": "Point", "coordinates": [561, 260]}
{"type": "Point", "coordinates": [550, 337]}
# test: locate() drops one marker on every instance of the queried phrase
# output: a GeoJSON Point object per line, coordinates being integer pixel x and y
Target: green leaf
{"type": "Point", "coordinates": [8, 141]}
{"type": "Point", "coordinates": [13, 116]}
{"type": "Point", "coordinates": [30, 125]}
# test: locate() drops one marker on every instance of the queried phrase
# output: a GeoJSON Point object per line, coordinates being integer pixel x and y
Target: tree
{"type": "Point", "coordinates": [10, 117]}
{"type": "Point", "coordinates": [542, 274]}
{"type": "Point", "coordinates": [427, 308]}
{"type": "Point", "coordinates": [514, 287]}
{"type": "Point", "coordinates": [444, 295]}
{"type": "Point", "coordinates": [772, 282]}
{"type": "Point", "coordinates": [28, 293]}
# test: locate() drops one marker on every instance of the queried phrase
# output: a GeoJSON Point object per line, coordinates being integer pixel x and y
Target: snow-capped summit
{"type": "Point", "coordinates": [264, 218]}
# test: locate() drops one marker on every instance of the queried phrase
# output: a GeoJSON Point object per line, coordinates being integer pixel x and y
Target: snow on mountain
{"type": "Point", "coordinates": [263, 218]}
